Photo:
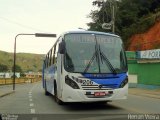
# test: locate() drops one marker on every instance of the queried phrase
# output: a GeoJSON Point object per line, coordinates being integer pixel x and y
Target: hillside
{"type": "Point", "coordinates": [27, 61]}
{"type": "Point", "coordinates": [147, 40]}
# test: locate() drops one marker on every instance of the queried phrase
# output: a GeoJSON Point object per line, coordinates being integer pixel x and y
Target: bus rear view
{"type": "Point", "coordinates": [91, 67]}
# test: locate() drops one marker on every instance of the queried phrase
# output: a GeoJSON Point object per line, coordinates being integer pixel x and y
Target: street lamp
{"type": "Point", "coordinates": [14, 64]}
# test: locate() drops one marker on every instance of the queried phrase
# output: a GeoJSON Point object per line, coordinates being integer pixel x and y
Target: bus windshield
{"type": "Point", "coordinates": [94, 53]}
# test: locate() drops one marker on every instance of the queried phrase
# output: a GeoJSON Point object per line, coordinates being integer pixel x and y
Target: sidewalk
{"type": "Point", "coordinates": [145, 92]}
{"type": "Point", "coordinates": [5, 90]}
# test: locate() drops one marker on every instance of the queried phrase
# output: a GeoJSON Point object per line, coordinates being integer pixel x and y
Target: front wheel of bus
{"type": "Point", "coordinates": [56, 97]}
{"type": "Point", "coordinates": [45, 90]}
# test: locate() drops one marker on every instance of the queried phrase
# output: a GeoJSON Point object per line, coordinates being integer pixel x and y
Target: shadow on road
{"type": "Point", "coordinates": [90, 106]}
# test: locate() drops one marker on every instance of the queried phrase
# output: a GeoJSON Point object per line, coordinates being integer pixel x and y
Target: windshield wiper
{"type": "Point", "coordinates": [108, 63]}
{"type": "Point", "coordinates": [100, 55]}
{"type": "Point", "coordinates": [96, 54]}
{"type": "Point", "coordinates": [91, 60]}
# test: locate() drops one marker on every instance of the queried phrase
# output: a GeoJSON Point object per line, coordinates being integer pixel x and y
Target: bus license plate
{"type": "Point", "coordinates": [99, 93]}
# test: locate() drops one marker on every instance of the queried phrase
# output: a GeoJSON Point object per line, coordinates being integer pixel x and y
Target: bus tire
{"type": "Point", "coordinates": [57, 100]}
{"type": "Point", "coordinates": [45, 90]}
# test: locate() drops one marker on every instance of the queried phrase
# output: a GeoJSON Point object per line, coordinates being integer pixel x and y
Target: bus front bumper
{"type": "Point", "coordinates": [78, 95]}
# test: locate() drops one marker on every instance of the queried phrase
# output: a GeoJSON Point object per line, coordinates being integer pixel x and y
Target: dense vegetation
{"type": "Point", "coordinates": [25, 62]}
{"type": "Point", "coordinates": [131, 17]}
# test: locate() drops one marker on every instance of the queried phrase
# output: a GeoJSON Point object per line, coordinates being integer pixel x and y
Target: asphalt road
{"type": "Point", "coordinates": [30, 102]}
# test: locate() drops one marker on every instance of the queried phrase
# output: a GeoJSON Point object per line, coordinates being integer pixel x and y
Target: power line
{"type": "Point", "coordinates": [21, 25]}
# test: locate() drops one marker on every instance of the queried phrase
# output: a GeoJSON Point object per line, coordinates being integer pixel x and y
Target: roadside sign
{"type": "Point", "coordinates": [107, 26]}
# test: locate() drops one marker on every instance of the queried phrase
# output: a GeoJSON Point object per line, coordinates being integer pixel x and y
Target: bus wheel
{"type": "Point", "coordinates": [45, 90]}
{"type": "Point", "coordinates": [56, 97]}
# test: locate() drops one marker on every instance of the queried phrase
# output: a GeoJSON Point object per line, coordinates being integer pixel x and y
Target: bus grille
{"type": "Point", "coordinates": [99, 87]}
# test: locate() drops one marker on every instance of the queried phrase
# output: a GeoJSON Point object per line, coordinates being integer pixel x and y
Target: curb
{"type": "Point", "coordinates": [5, 94]}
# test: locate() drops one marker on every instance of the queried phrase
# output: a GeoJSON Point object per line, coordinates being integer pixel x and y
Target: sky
{"type": "Point", "coordinates": [39, 16]}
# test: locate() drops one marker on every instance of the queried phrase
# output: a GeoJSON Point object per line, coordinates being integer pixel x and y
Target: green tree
{"type": "Point", "coordinates": [40, 70]}
{"type": "Point", "coordinates": [100, 17]}
{"type": "Point", "coordinates": [18, 69]}
{"type": "Point", "coordinates": [3, 68]}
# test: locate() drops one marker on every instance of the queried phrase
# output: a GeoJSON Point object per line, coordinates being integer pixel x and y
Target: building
{"type": "Point", "coordinates": [33, 75]}
{"type": "Point", "coordinates": [8, 74]}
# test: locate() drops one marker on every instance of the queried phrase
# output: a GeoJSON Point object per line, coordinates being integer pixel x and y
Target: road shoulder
{"type": "Point", "coordinates": [145, 92]}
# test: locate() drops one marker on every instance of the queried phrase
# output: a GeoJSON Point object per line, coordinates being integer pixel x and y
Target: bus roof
{"type": "Point", "coordinates": [90, 32]}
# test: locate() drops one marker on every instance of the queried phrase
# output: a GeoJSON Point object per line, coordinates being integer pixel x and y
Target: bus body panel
{"type": "Point", "coordinates": [79, 95]}
{"type": "Point", "coordinates": [53, 75]}
{"type": "Point", "coordinates": [49, 78]}
{"type": "Point", "coordinates": [70, 95]}
{"type": "Point", "coordinates": [59, 78]}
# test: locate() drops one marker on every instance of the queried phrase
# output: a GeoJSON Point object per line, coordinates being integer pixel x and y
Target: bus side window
{"type": "Point", "coordinates": [57, 49]}
{"type": "Point", "coordinates": [54, 54]}
{"type": "Point", "coordinates": [47, 60]}
{"type": "Point", "coordinates": [50, 59]}
{"type": "Point", "coordinates": [44, 64]}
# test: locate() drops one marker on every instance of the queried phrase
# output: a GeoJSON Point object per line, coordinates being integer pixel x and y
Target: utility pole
{"type": "Point", "coordinates": [113, 16]}
{"type": "Point", "coordinates": [110, 25]}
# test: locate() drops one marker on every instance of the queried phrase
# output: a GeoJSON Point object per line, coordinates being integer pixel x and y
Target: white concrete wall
{"type": "Point", "coordinates": [132, 81]}
{"type": "Point", "coordinates": [132, 78]}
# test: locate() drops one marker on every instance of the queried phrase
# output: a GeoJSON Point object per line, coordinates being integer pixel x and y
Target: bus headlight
{"type": "Point", "coordinates": [124, 82]}
{"type": "Point", "coordinates": [71, 83]}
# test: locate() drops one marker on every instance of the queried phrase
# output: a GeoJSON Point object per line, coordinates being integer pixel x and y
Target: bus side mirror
{"type": "Point", "coordinates": [62, 47]}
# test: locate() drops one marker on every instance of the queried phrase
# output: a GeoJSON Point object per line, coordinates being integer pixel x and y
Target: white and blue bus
{"type": "Point", "coordinates": [86, 66]}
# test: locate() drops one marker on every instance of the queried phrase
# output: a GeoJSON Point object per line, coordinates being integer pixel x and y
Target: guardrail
{"type": "Point", "coordinates": [5, 81]}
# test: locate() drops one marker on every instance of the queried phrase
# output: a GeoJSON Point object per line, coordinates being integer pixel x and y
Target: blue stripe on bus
{"type": "Point", "coordinates": [108, 80]}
